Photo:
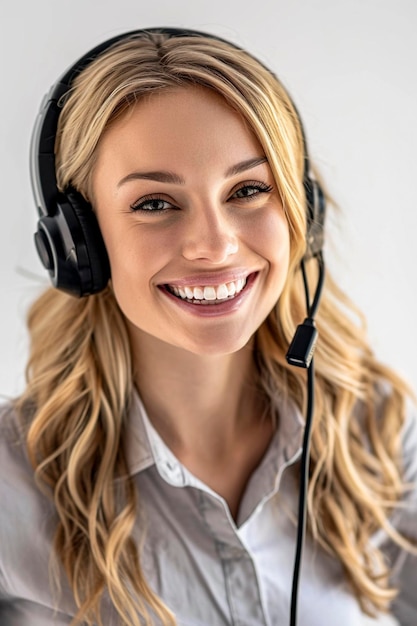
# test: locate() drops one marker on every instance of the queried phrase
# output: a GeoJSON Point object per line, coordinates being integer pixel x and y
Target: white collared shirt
{"type": "Point", "coordinates": [209, 570]}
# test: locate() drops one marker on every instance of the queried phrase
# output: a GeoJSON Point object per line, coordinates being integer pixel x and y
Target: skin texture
{"type": "Point", "coordinates": [208, 233]}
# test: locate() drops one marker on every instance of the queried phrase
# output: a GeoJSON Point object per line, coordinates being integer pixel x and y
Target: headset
{"type": "Point", "coordinates": [70, 245]}
{"type": "Point", "coordinates": [68, 239]}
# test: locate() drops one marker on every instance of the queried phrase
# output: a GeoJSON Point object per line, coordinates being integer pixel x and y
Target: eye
{"type": "Point", "coordinates": [249, 191]}
{"type": "Point", "coordinates": [152, 204]}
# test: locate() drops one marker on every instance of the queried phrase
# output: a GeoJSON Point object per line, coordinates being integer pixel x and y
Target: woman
{"type": "Point", "coordinates": [150, 470]}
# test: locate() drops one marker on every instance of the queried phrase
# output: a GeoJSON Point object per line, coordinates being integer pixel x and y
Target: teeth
{"type": "Point", "coordinates": [222, 292]}
{"type": "Point", "coordinates": [210, 293]}
{"type": "Point", "coordinates": [231, 289]}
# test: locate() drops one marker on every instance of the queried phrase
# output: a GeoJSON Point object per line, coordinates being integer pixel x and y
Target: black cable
{"type": "Point", "coordinates": [300, 353]}
{"type": "Point", "coordinates": [306, 287]}
{"type": "Point", "coordinates": [302, 501]}
{"type": "Point", "coordinates": [313, 309]}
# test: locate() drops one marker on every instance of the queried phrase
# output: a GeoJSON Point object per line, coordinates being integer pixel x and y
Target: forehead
{"type": "Point", "coordinates": [174, 123]}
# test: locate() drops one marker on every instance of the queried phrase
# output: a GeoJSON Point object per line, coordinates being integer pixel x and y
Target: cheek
{"type": "Point", "coordinates": [135, 252]}
{"type": "Point", "coordinates": [272, 240]}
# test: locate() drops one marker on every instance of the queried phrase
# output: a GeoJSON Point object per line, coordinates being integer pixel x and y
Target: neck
{"type": "Point", "coordinates": [196, 400]}
{"type": "Point", "coordinates": [207, 410]}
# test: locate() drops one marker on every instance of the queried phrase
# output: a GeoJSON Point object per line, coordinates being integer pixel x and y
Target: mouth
{"type": "Point", "coordinates": [207, 295]}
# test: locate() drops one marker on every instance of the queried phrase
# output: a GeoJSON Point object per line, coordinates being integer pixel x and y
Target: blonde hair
{"type": "Point", "coordinates": [80, 371]}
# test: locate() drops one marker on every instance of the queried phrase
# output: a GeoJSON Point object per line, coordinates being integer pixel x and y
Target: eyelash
{"type": "Point", "coordinates": [260, 187]}
{"type": "Point", "coordinates": [146, 200]}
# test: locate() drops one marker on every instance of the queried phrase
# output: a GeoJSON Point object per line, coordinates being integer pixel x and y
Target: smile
{"type": "Point", "coordinates": [209, 294]}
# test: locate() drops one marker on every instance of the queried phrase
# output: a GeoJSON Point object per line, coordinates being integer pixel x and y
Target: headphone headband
{"type": "Point", "coordinates": [68, 238]}
{"type": "Point", "coordinates": [42, 156]}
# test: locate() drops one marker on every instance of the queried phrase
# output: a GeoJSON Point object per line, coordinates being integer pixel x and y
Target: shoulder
{"type": "Point", "coordinates": [396, 423]}
{"type": "Point", "coordinates": [407, 432]}
{"type": "Point", "coordinates": [26, 514]}
{"type": "Point", "coordinates": [19, 494]}
{"type": "Point", "coordinates": [404, 520]}
{"type": "Point", "coordinates": [18, 488]}
{"type": "Point", "coordinates": [12, 443]}
{"type": "Point", "coordinates": [409, 443]}
{"type": "Point", "coordinates": [405, 515]}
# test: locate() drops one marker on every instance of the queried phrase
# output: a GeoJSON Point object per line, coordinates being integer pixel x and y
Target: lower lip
{"type": "Point", "coordinates": [214, 310]}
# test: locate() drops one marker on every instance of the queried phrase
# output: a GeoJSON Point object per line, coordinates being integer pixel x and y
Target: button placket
{"type": "Point", "coordinates": [241, 579]}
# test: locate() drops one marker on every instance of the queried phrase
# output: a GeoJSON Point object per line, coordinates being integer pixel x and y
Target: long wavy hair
{"type": "Point", "coordinates": [79, 375]}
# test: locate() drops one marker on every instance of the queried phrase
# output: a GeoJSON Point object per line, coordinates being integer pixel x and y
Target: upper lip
{"type": "Point", "coordinates": [210, 279]}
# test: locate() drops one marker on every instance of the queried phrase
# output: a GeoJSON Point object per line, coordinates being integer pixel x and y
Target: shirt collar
{"type": "Point", "coordinates": [145, 448]}
{"type": "Point", "coordinates": [139, 454]}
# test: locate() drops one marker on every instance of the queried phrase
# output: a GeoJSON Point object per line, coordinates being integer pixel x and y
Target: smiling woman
{"type": "Point", "coordinates": [216, 220]}
{"type": "Point", "coordinates": [157, 447]}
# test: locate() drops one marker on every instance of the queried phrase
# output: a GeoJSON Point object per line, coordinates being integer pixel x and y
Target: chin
{"type": "Point", "coordinates": [218, 347]}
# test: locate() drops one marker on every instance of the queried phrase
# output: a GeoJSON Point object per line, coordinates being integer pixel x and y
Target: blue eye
{"type": "Point", "coordinates": [151, 205]}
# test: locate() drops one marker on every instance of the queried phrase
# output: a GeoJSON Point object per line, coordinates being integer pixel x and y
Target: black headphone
{"type": "Point", "coordinates": [68, 238]}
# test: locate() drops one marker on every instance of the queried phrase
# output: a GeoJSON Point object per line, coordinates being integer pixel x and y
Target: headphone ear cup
{"type": "Point", "coordinates": [316, 214]}
{"type": "Point", "coordinates": [71, 247]}
{"type": "Point", "coordinates": [90, 245]}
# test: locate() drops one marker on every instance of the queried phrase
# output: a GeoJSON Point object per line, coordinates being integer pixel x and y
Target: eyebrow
{"type": "Point", "coordinates": [171, 177]}
{"type": "Point", "coordinates": [245, 165]}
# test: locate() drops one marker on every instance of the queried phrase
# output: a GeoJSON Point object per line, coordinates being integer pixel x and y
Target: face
{"type": "Point", "coordinates": [192, 221]}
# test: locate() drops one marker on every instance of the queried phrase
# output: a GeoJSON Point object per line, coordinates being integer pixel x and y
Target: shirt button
{"type": "Point", "coordinates": [173, 472]}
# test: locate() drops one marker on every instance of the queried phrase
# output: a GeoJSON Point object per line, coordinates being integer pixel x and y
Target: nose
{"type": "Point", "coordinates": [210, 236]}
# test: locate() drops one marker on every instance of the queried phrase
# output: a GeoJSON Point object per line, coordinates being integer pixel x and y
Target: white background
{"type": "Point", "coordinates": [351, 68]}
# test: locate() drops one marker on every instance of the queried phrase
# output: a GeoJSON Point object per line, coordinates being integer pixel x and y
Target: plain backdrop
{"type": "Point", "coordinates": [351, 68]}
